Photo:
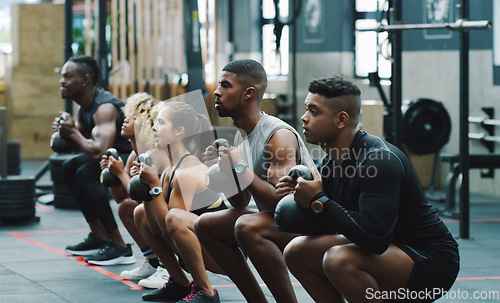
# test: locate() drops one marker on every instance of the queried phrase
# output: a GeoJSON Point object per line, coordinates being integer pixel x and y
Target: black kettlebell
{"type": "Point", "coordinates": [300, 171]}
{"type": "Point", "coordinates": [107, 178]}
{"type": "Point", "coordinates": [136, 189]}
{"type": "Point", "coordinates": [59, 144]}
{"type": "Point", "coordinates": [221, 142]}
{"type": "Point", "coordinates": [215, 179]}
{"type": "Point", "coordinates": [291, 217]}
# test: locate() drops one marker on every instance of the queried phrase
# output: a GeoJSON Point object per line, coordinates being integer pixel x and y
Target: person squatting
{"type": "Point", "coordinates": [361, 226]}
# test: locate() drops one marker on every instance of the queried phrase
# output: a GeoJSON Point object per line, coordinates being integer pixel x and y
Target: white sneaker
{"type": "Point", "coordinates": [156, 280]}
{"type": "Point", "coordinates": [143, 271]}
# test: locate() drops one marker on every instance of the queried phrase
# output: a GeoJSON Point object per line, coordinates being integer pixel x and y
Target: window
{"type": "Point", "coordinates": [206, 10]}
{"type": "Point", "coordinates": [371, 49]}
{"type": "Point", "coordinates": [275, 61]}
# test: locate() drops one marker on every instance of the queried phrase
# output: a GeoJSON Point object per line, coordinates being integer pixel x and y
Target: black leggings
{"type": "Point", "coordinates": [82, 175]}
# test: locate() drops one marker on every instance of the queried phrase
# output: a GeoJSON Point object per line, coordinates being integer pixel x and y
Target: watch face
{"type": "Point", "coordinates": [317, 206]}
{"type": "Point", "coordinates": [240, 167]}
{"type": "Point", "coordinates": [156, 191]}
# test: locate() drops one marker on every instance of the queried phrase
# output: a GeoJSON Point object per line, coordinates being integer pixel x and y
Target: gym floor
{"type": "Point", "coordinates": [35, 268]}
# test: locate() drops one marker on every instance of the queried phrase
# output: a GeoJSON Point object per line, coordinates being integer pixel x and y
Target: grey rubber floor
{"type": "Point", "coordinates": [35, 268]}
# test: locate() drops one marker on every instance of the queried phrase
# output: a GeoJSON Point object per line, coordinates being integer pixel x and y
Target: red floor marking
{"type": "Point", "coordinates": [134, 286]}
{"type": "Point", "coordinates": [44, 208]}
{"type": "Point", "coordinates": [36, 232]}
{"type": "Point", "coordinates": [81, 260]}
{"type": "Point", "coordinates": [480, 278]}
{"type": "Point", "coordinates": [472, 220]}
{"type": "Point", "coordinates": [262, 285]}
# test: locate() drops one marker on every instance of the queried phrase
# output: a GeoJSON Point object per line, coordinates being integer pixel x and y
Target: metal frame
{"type": "Point", "coordinates": [459, 25]}
{"type": "Point", "coordinates": [462, 25]}
{"type": "Point", "coordinates": [3, 142]}
{"type": "Point", "coordinates": [68, 40]}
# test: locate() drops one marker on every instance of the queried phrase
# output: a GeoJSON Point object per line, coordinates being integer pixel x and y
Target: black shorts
{"type": "Point", "coordinates": [206, 209]}
{"type": "Point", "coordinates": [434, 272]}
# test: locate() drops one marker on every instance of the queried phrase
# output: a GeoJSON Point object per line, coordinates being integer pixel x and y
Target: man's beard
{"type": "Point", "coordinates": [222, 112]}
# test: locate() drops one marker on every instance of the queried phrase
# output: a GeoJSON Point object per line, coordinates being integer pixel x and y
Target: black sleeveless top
{"type": "Point", "coordinates": [206, 195]}
{"type": "Point", "coordinates": [86, 118]}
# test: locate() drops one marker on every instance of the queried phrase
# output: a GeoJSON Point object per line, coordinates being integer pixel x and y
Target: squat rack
{"type": "Point", "coordinates": [463, 25]}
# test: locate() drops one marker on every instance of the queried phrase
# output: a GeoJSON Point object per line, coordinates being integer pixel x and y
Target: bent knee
{"type": "Point", "coordinates": [294, 250]}
{"type": "Point", "coordinates": [175, 219]}
{"type": "Point", "coordinates": [248, 226]}
{"type": "Point", "coordinates": [139, 215]}
{"type": "Point", "coordinates": [203, 225]}
{"type": "Point", "coordinates": [126, 207]}
{"type": "Point", "coordinates": [339, 260]}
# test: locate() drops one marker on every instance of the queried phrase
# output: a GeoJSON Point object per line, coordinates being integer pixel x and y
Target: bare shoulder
{"type": "Point", "coordinates": [282, 142]}
{"type": "Point", "coordinates": [105, 113]}
{"type": "Point", "coordinates": [192, 172]}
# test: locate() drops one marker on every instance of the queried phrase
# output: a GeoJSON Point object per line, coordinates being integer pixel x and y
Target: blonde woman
{"type": "Point", "coordinates": [139, 113]}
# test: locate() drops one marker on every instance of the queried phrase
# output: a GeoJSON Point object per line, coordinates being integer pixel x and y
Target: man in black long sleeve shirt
{"type": "Point", "coordinates": [376, 237]}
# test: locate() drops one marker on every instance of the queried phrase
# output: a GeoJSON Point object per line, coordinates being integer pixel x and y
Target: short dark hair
{"type": "Point", "coordinates": [334, 86]}
{"type": "Point", "coordinates": [248, 72]}
{"type": "Point", "coordinates": [87, 65]}
{"type": "Point", "coordinates": [339, 86]}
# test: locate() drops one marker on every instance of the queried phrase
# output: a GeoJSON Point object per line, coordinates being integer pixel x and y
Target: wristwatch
{"type": "Point", "coordinates": [318, 204]}
{"type": "Point", "coordinates": [155, 191]}
{"type": "Point", "coordinates": [240, 167]}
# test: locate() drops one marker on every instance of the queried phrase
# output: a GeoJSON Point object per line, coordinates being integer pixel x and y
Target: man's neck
{"type": "Point", "coordinates": [338, 149]}
{"type": "Point", "coordinates": [247, 120]}
{"type": "Point", "coordinates": [86, 98]}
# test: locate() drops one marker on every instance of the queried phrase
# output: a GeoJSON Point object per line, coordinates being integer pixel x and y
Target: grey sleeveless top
{"type": "Point", "coordinates": [253, 148]}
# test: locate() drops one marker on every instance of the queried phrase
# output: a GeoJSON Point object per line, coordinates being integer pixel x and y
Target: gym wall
{"type": "Point", "coordinates": [33, 97]}
{"type": "Point", "coordinates": [430, 63]}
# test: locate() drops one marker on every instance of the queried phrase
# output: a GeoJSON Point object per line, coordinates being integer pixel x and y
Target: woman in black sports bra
{"type": "Point", "coordinates": [179, 197]}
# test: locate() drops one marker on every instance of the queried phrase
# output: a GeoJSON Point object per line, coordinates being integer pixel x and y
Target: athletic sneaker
{"type": "Point", "coordinates": [143, 271]}
{"type": "Point", "coordinates": [112, 254]}
{"type": "Point", "coordinates": [89, 246]}
{"type": "Point", "coordinates": [199, 295]}
{"type": "Point", "coordinates": [156, 280]}
{"type": "Point", "coordinates": [171, 291]}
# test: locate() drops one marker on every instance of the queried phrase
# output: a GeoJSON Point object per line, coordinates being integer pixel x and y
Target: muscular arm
{"type": "Point", "coordinates": [103, 134]}
{"type": "Point", "coordinates": [372, 226]}
{"type": "Point", "coordinates": [157, 208]}
{"type": "Point", "coordinates": [124, 176]}
{"type": "Point", "coordinates": [283, 149]}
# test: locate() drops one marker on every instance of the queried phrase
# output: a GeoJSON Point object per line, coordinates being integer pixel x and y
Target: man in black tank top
{"type": "Point", "coordinates": [97, 129]}
{"type": "Point", "coordinates": [375, 237]}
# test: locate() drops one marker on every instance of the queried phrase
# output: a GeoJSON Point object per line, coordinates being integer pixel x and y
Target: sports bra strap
{"type": "Point", "coordinates": [169, 190]}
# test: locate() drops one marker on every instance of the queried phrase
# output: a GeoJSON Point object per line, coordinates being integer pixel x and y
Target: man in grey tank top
{"type": "Point", "coordinates": [273, 147]}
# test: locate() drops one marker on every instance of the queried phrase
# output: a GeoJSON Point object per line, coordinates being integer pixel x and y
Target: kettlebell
{"type": "Point", "coordinates": [59, 144]}
{"type": "Point", "coordinates": [215, 179]}
{"type": "Point", "coordinates": [291, 217]}
{"type": "Point", "coordinates": [136, 189]}
{"type": "Point", "coordinates": [107, 178]}
{"type": "Point", "coordinates": [300, 171]}
{"type": "Point", "coordinates": [221, 142]}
